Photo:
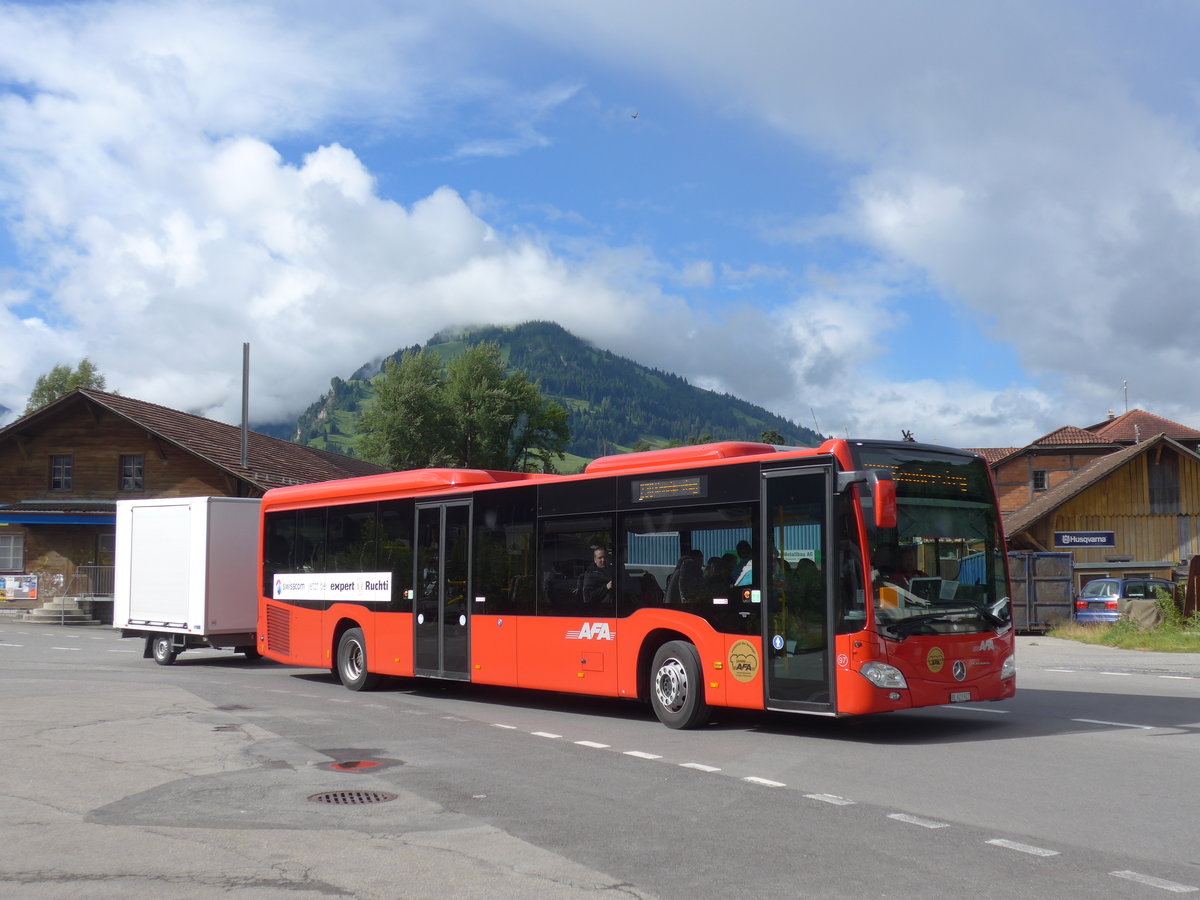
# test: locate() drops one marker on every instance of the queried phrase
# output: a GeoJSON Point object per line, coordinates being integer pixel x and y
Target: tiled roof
{"type": "Point", "coordinates": [993, 455]}
{"type": "Point", "coordinates": [1138, 424]}
{"type": "Point", "coordinates": [1048, 501]}
{"type": "Point", "coordinates": [272, 461]}
{"type": "Point", "coordinates": [1068, 435]}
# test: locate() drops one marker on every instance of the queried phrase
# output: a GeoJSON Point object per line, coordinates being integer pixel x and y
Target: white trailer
{"type": "Point", "coordinates": [186, 574]}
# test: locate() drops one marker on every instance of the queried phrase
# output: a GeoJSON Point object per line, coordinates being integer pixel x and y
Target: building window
{"type": "Point", "coordinates": [12, 552]}
{"type": "Point", "coordinates": [60, 472]}
{"type": "Point", "coordinates": [1163, 473]}
{"type": "Point", "coordinates": [131, 472]}
{"type": "Point", "coordinates": [1040, 480]}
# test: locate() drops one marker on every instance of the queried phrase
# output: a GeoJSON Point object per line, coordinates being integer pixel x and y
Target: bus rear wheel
{"type": "Point", "coordinates": [676, 688]}
{"type": "Point", "coordinates": [352, 662]}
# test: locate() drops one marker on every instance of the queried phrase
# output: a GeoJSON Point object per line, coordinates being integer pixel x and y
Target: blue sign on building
{"type": "Point", "coordinates": [1085, 539]}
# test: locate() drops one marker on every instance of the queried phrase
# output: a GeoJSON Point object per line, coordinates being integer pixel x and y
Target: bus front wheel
{"type": "Point", "coordinates": [676, 688]}
{"type": "Point", "coordinates": [352, 662]}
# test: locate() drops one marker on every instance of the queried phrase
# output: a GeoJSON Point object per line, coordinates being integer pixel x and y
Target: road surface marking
{"type": "Point", "coordinates": [830, 798]}
{"type": "Point", "coordinates": [1151, 881]}
{"type": "Point", "coordinates": [642, 755]}
{"type": "Point", "coordinates": [547, 734]}
{"type": "Point", "coordinates": [1023, 848]}
{"type": "Point", "coordinates": [1115, 724]}
{"type": "Point", "coordinates": [593, 744]}
{"type": "Point", "coordinates": [699, 767]}
{"type": "Point", "coordinates": [916, 820]}
{"type": "Point", "coordinates": [765, 782]}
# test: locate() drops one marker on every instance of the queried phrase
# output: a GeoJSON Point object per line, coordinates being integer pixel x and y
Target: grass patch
{"type": "Point", "coordinates": [1178, 636]}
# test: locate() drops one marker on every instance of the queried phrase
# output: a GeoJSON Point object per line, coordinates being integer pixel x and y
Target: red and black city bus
{"type": "Point", "coordinates": [856, 577]}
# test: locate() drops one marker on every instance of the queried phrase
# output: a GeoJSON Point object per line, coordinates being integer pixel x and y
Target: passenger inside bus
{"type": "Point", "coordinates": [596, 584]}
{"type": "Point", "coordinates": [745, 562]}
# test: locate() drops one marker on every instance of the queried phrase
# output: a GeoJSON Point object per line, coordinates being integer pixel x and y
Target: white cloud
{"type": "Point", "coordinates": [1007, 158]}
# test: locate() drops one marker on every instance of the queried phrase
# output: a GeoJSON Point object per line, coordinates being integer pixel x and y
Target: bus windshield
{"type": "Point", "coordinates": [941, 569]}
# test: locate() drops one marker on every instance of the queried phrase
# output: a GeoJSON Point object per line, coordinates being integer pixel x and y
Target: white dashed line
{"type": "Point", "coordinates": [765, 782]}
{"type": "Point", "coordinates": [546, 734]}
{"type": "Point", "coordinates": [1114, 724]}
{"type": "Point", "coordinates": [1151, 881]}
{"type": "Point", "coordinates": [1022, 848]}
{"type": "Point", "coordinates": [994, 712]}
{"type": "Point", "coordinates": [699, 767]}
{"type": "Point", "coordinates": [76, 649]}
{"type": "Point", "coordinates": [12, 645]}
{"type": "Point", "coordinates": [830, 798]}
{"type": "Point", "coordinates": [917, 820]}
{"type": "Point", "coordinates": [1178, 677]}
{"type": "Point", "coordinates": [642, 755]}
{"type": "Point", "coordinates": [124, 651]}
{"type": "Point", "coordinates": [593, 744]}
{"type": "Point", "coordinates": [505, 727]}
{"type": "Point", "coordinates": [1058, 670]}
{"type": "Point", "coordinates": [1118, 674]}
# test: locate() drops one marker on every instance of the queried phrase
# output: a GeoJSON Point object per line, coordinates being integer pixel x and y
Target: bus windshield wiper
{"type": "Point", "coordinates": [903, 628]}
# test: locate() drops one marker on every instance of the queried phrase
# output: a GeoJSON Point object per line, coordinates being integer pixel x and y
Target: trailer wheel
{"type": "Point", "coordinates": [162, 648]}
{"type": "Point", "coordinates": [676, 689]}
{"type": "Point", "coordinates": [352, 662]}
{"type": "Point", "coordinates": [250, 652]}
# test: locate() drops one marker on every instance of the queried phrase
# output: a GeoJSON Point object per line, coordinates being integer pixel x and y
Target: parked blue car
{"type": "Point", "coordinates": [1101, 598]}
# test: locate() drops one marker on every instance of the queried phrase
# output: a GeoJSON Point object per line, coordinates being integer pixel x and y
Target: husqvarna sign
{"type": "Point", "coordinates": [1085, 539]}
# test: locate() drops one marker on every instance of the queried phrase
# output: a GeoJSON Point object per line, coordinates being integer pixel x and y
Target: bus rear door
{"type": "Point", "coordinates": [441, 612]}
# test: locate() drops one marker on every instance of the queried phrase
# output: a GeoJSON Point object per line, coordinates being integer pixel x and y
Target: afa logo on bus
{"type": "Point", "coordinates": [592, 632]}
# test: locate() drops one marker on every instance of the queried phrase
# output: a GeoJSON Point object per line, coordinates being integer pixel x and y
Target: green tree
{"type": "Point", "coordinates": [469, 414]}
{"type": "Point", "coordinates": [771, 436]}
{"type": "Point", "coordinates": [405, 426]}
{"type": "Point", "coordinates": [62, 380]}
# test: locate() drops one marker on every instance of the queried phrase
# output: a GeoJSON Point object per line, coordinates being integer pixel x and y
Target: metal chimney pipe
{"type": "Point", "coordinates": [245, 405]}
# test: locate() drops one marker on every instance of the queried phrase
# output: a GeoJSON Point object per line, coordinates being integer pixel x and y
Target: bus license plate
{"type": "Point", "coordinates": [960, 697]}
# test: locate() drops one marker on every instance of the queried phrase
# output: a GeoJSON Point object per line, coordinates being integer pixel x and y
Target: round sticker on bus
{"type": "Point", "coordinates": [777, 642]}
{"type": "Point", "coordinates": [743, 660]}
{"type": "Point", "coordinates": [936, 659]}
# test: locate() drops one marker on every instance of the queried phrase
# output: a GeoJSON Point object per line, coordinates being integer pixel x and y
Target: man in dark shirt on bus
{"type": "Point", "coordinates": [595, 587]}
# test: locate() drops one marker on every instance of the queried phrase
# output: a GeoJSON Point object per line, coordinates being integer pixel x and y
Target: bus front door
{"type": "Point", "coordinates": [440, 613]}
{"type": "Point", "coordinates": [797, 637]}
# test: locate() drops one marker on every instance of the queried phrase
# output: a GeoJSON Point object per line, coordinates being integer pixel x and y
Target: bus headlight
{"type": "Point", "coordinates": [1009, 668]}
{"type": "Point", "coordinates": [882, 675]}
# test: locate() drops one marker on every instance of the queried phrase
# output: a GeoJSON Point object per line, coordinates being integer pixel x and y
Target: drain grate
{"type": "Point", "coordinates": [352, 798]}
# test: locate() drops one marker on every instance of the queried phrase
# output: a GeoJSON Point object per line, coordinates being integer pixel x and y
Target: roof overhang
{"type": "Point", "coordinates": [60, 512]}
{"type": "Point", "coordinates": [48, 518]}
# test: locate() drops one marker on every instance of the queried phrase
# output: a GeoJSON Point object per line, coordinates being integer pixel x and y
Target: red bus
{"type": "Point", "coordinates": [857, 577]}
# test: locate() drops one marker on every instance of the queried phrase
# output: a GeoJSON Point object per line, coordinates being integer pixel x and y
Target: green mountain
{"type": "Point", "coordinates": [615, 404]}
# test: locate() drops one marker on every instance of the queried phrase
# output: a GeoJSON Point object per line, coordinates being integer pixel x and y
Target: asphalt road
{"type": "Point", "coordinates": [126, 779]}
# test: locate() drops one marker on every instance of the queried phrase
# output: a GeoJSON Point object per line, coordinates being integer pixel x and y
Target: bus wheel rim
{"type": "Point", "coordinates": [354, 660]}
{"type": "Point", "coordinates": [671, 685]}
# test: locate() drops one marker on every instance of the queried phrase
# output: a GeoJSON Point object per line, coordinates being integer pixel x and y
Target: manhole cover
{"type": "Point", "coordinates": [352, 798]}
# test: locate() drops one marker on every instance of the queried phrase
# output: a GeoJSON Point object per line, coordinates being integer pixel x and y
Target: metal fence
{"type": "Point", "coordinates": [91, 582]}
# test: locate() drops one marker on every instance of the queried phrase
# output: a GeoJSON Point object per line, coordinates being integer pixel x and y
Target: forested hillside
{"type": "Point", "coordinates": [615, 404]}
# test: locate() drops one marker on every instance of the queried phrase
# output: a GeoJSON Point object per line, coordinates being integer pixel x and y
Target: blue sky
{"type": "Point", "coordinates": [976, 222]}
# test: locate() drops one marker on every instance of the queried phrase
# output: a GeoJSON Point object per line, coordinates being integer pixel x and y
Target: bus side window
{"type": "Point", "coordinates": [504, 581]}
{"type": "Point", "coordinates": [574, 579]}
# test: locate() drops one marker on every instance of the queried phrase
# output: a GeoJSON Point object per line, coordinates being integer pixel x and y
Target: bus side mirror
{"type": "Point", "coordinates": [883, 491]}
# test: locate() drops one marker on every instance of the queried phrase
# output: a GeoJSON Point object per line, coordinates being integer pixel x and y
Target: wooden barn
{"type": "Point", "coordinates": [64, 466]}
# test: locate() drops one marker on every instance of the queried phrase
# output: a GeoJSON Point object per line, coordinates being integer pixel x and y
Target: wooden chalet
{"type": "Point", "coordinates": [64, 466]}
{"type": "Point", "coordinates": [1120, 498]}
